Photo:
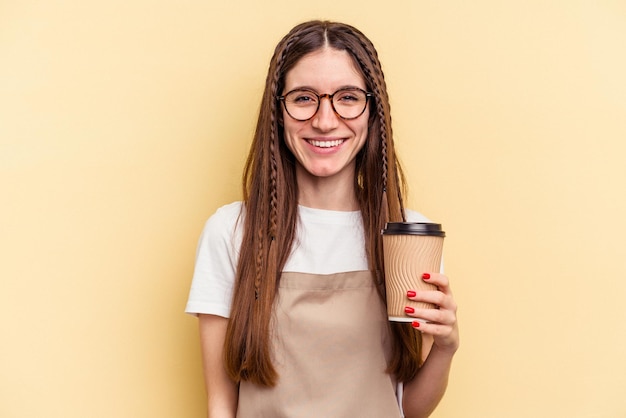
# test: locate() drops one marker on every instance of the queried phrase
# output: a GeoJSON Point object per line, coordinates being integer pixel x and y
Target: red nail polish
{"type": "Point", "coordinates": [411, 293]}
{"type": "Point", "coordinates": [425, 276]}
{"type": "Point", "coordinates": [408, 309]}
{"type": "Point", "coordinates": [415, 324]}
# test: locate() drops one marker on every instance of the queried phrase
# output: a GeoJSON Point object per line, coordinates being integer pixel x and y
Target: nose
{"type": "Point", "coordinates": [325, 119]}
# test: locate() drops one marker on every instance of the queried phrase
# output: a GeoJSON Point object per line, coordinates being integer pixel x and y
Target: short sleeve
{"type": "Point", "coordinates": [216, 263]}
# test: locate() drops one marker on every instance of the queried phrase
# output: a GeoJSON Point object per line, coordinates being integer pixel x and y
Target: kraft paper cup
{"type": "Point", "coordinates": [410, 249]}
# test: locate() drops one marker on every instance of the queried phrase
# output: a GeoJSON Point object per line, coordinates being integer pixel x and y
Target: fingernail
{"type": "Point", "coordinates": [415, 324]}
{"type": "Point", "coordinates": [408, 309]}
{"type": "Point", "coordinates": [411, 293]}
{"type": "Point", "coordinates": [425, 276]}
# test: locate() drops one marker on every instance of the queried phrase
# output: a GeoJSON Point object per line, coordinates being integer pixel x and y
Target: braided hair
{"type": "Point", "coordinates": [270, 205]}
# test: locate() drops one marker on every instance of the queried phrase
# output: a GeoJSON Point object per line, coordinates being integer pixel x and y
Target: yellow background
{"type": "Point", "coordinates": [125, 124]}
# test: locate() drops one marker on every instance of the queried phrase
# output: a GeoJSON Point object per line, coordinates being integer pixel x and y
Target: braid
{"type": "Point", "coordinates": [258, 264]}
{"type": "Point", "coordinates": [274, 154]}
{"type": "Point", "coordinates": [390, 170]}
{"type": "Point", "coordinates": [373, 73]}
{"type": "Point", "coordinates": [273, 178]}
{"type": "Point", "coordinates": [407, 342]}
{"type": "Point", "coordinates": [383, 144]}
{"type": "Point", "coordinates": [273, 191]}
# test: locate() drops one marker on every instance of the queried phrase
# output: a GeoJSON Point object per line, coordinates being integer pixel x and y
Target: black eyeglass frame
{"type": "Point", "coordinates": [368, 95]}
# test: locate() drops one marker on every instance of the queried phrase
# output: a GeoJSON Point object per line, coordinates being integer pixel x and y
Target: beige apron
{"type": "Point", "coordinates": [330, 345]}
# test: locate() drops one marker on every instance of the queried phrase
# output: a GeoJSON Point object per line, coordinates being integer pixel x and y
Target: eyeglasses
{"type": "Point", "coordinates": [303, 104]}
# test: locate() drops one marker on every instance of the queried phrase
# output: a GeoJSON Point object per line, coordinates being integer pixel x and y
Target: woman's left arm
{"type": "Point", "coordinates": [423, 393]}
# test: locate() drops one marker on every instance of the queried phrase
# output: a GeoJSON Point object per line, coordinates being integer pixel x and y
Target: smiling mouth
{"type": "Point", "coordinates": [326, 144]}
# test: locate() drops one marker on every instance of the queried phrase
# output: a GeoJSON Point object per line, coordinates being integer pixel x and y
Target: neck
{"type": "Point", "coordinates": [330, 193]}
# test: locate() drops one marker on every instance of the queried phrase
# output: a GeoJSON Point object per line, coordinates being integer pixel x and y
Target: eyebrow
{"type": "Point", "coordinates": [347, 86]}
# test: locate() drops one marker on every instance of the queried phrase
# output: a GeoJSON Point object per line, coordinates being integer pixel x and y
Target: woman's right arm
{"type": "Point", "coordinates": [222, 392]}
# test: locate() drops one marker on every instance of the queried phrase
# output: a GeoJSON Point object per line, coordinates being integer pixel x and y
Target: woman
{"type": "Point", "coordinates": [287, 283]}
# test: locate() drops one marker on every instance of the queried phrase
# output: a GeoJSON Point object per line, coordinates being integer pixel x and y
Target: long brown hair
{"type": "Point", "coordinates": [270, 195]}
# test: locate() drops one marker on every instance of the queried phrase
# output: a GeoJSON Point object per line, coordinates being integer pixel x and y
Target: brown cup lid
{"type": "Point", "coordinates": [413, 228]}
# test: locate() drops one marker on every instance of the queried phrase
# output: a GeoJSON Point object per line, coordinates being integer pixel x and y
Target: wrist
{"type": "Point", "coordinates": [444, 351]}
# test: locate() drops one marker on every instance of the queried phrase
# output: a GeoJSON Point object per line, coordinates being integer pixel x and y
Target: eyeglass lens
{"type": "Point", "coordinates": [304, 104]}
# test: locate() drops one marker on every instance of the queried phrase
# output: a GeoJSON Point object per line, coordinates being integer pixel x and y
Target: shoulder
{"type": "Point", "coordinates": [230, 211]}
{"type": "Point", "coordinates": [225, 217]}
{"type": "Point", "coordinates": [223, 228]}
{"type": "Point", "coordinates": [413, 216]}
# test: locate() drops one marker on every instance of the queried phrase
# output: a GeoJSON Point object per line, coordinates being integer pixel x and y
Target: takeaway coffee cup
{"type": "Point", "coordinates": [410, 249]}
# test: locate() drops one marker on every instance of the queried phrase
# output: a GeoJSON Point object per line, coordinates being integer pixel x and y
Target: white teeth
{"type": "Point", "coordinates": [326, 144]}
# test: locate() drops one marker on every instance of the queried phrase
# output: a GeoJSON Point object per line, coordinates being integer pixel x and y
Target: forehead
{"type": "Point", "coordinates": [325, 70]}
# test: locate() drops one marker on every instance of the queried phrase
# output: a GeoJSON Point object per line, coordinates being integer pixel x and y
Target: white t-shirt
{"type": "Point", "coordinates": [327, 242]}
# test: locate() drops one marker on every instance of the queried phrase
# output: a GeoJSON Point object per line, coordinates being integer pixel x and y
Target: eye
{"type": "Point", "coordinates": [302, 98]}
{"type": "Point", "coordinates": [350, 96]}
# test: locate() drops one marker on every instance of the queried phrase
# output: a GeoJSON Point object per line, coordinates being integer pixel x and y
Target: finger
{"type": "Point", "coordinates": [438, 279]}
{"type": "Point", "coordinates": [438, 316]}
{"type": "Point", "coordinates": [436, 297]}
{"type": "Point", "coordinates": [444, 335]}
